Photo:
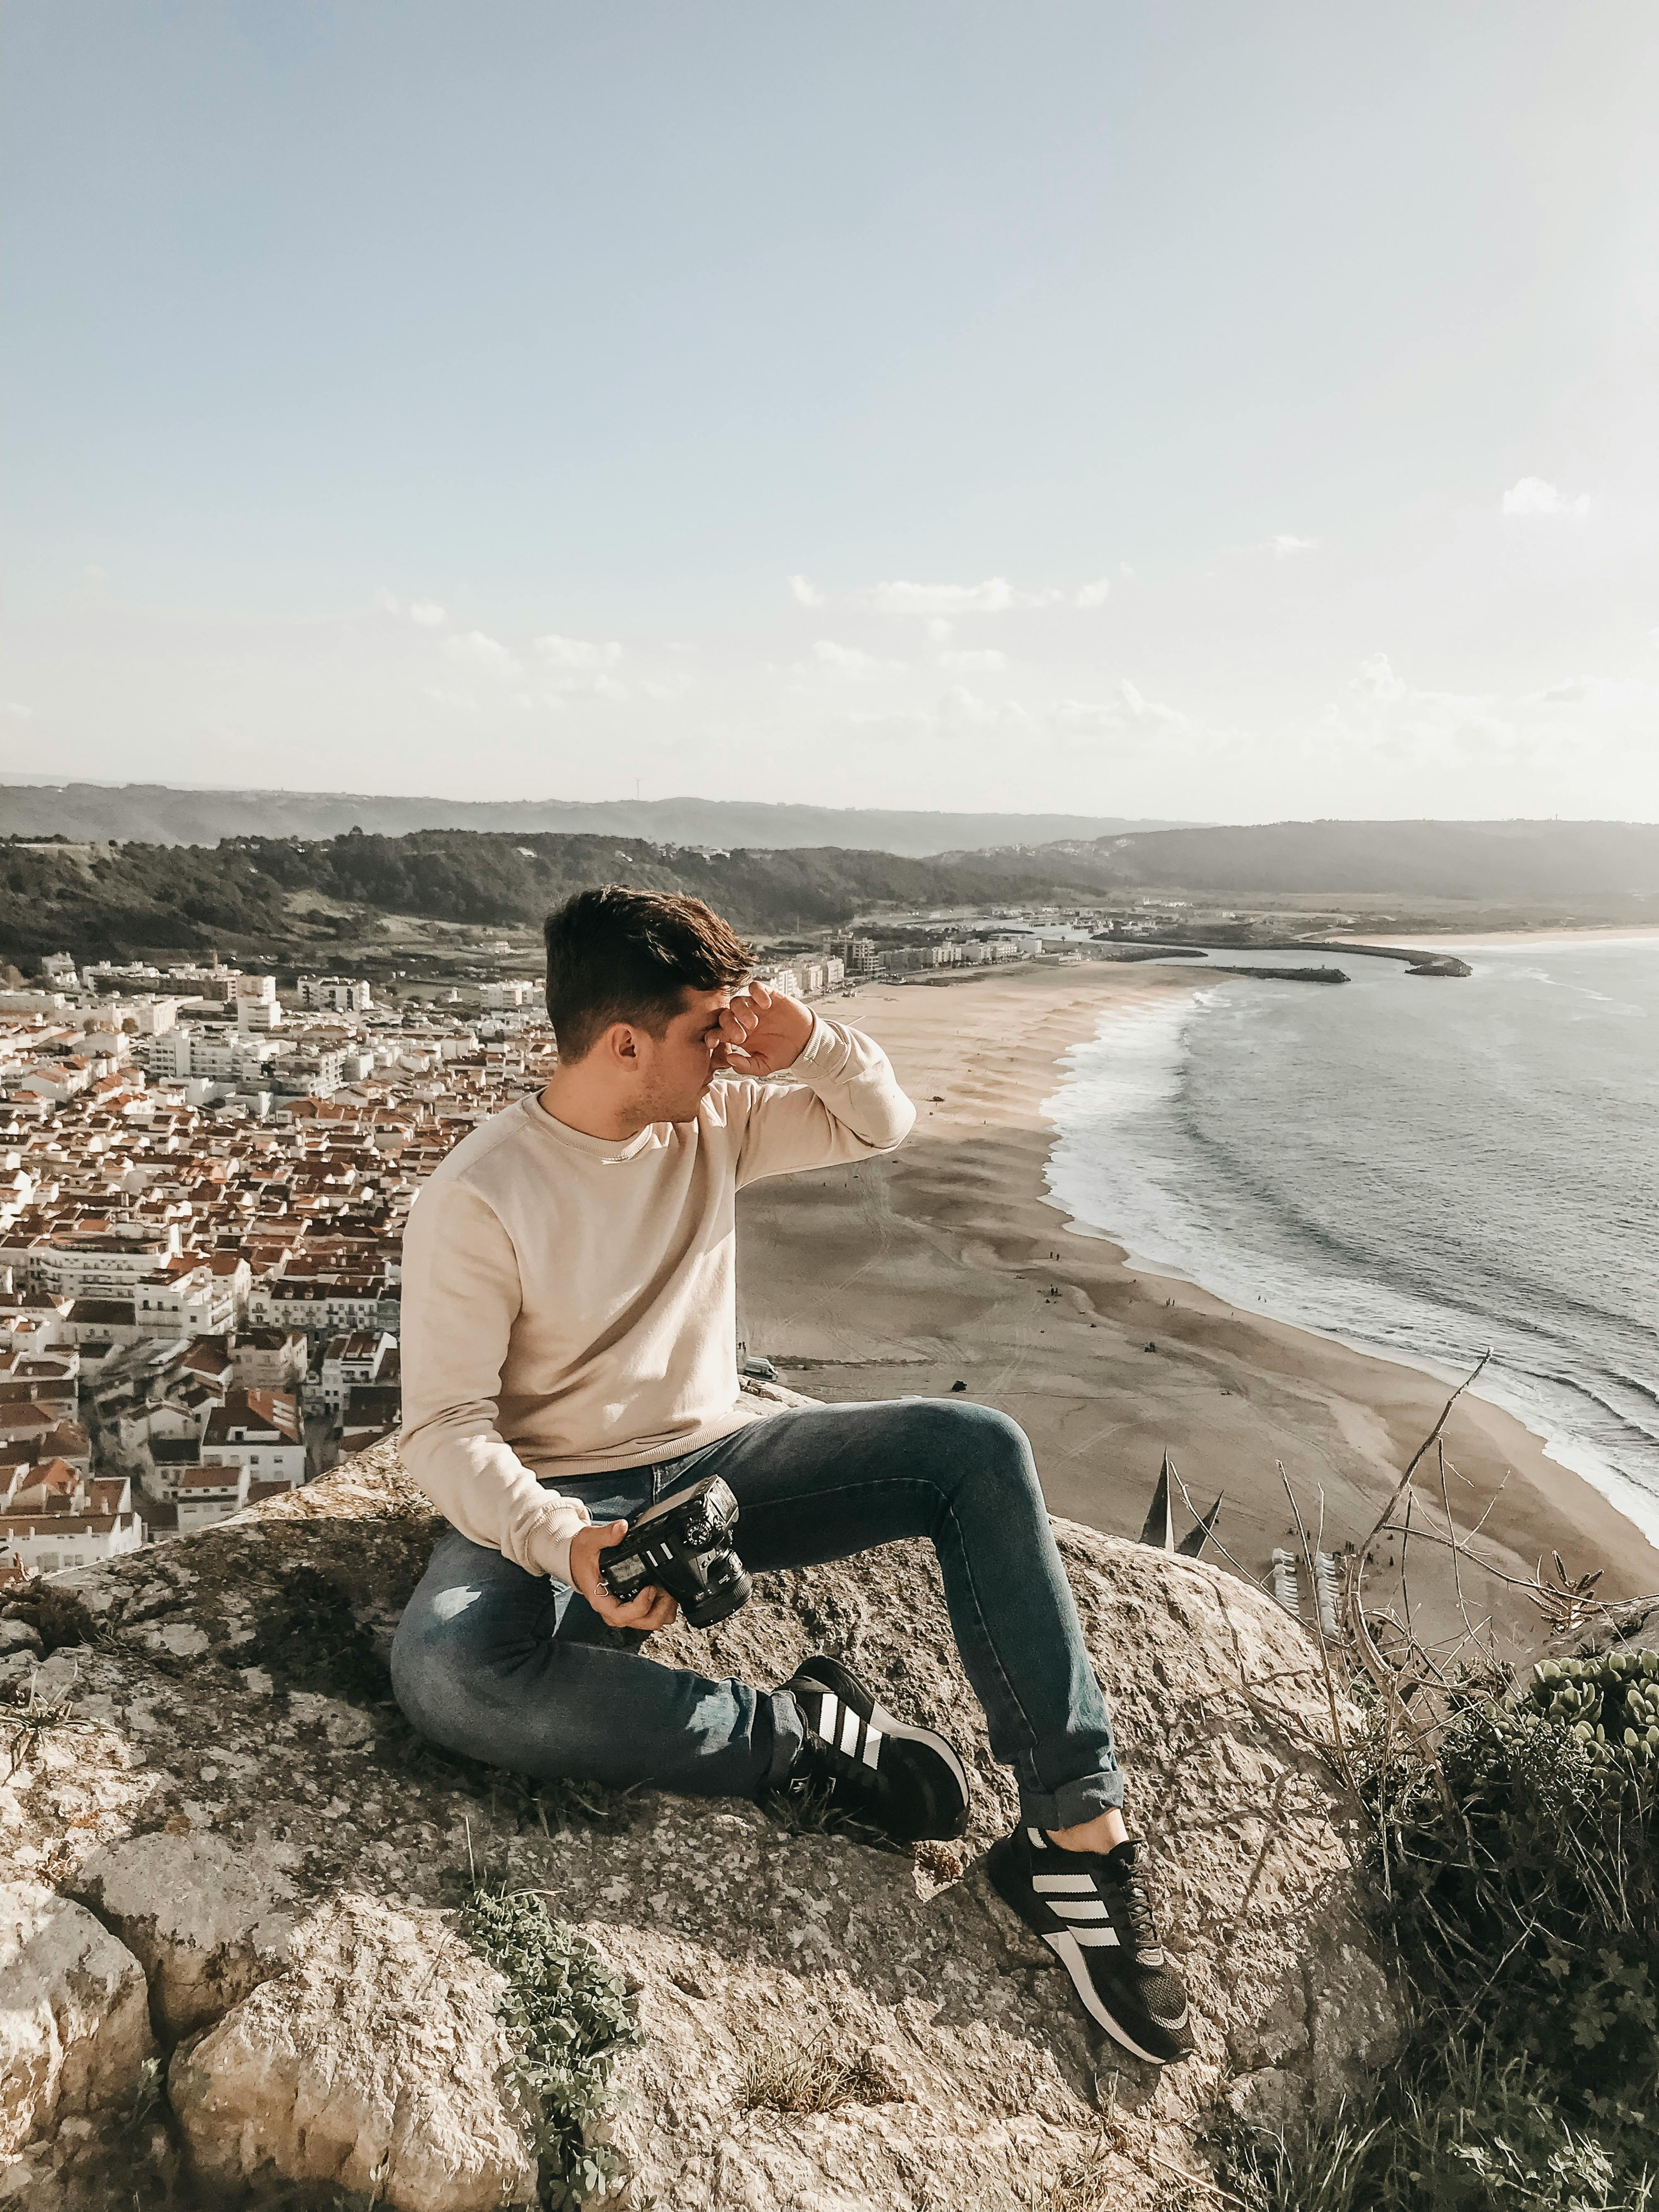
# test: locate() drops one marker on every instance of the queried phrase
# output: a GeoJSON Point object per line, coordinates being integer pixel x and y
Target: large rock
{"type": "Point", "coordinates": [206, 1923]}
{"type": "Point", "coordinates": [376, 2063]}
{"type": "Point", "coordinates": [74, 2026]}
{"type": "Point", "coordinates": [238, 1677]}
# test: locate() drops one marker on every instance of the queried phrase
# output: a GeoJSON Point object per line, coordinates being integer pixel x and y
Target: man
{"type": "Point", "coordinates": [570, 1358]}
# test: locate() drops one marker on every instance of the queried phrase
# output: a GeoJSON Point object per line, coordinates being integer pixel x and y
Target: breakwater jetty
{"type": "Point", "coordinates": [1284, 974]}
{"type": "Point", "coordinates": [1418, 962]}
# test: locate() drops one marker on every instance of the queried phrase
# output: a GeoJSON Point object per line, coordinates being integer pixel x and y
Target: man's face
{"type": "Point", "coordinates": [677, 1068]}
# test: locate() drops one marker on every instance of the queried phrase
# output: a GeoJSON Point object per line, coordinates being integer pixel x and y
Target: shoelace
{"type": "Point", "coordinates": [1138, 1912]}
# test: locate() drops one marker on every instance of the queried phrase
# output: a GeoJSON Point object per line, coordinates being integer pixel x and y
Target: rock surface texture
{"type": "Point", "coordinates": [827, 2024]}
{"type": "Point", "coordinates": [208, 1922]}
{"type": "Point", "coordinates": [74, 2025]}
{"type": "Point", "coordinates": [375, 2059]}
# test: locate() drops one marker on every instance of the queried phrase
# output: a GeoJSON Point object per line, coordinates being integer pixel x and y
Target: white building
{"type": "Point", "coordinates": [55, 1516]}
{"type": "Point", "coordinates": [350, 1359]}
{"type": "Point", "coordinates": [107, 1261]}
{"type": "Point", "coordinates": [207, 1494]}
{"type": "Point", "coordinates": [336, 994]}
{"type": "Point", "coordinates": [261, 1432]}
{"type": "Point", "coordinates": [318, 1303]}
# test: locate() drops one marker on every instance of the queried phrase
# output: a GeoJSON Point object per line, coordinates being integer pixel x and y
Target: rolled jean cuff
{"type": "Point", "coordinates": [1074, 1802]}
{"type": "Point", "coordinates": [788, 1737]}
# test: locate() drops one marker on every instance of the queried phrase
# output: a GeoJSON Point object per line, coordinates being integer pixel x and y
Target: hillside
{"type": "Point", "coordinates": [159, 815]}
{"type": "Point", "coordinates": [1514, 861]}
{"type": "Point", "coordinates": [259, 895]}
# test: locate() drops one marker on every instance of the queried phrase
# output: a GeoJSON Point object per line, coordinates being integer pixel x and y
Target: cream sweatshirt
{"type": "Point", "coordinates": [569, 1303]}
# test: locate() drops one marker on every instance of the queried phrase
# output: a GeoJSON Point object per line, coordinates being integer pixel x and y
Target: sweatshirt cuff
{"type": "Point", "coordinates": [824, 1056]}
{"type": "Point", "coordinates": [548, 1543]}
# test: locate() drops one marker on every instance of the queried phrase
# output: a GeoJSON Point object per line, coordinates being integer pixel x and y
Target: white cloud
{"type": "Point", "coordinates": [1282, 546]}
{"type": "Point", "coordinates": [486, 652]}
{"type": "Point", "coordinates": [1615, 692]}
{"type": "Point", "coordinates": [16, 709]}
{"type": "Point", "coordinates": [426, 613]}
{"type": "Point", "coordinates": [988, 661]}
{"type": "Point", "coordinates": [959, 708]}
{"type": "Point", "coordinates": [1377, 680]}
{"type": "Point", "coordinates": [939, 630]}
{"type": "Point", "coordinates": [805, 593]}
{"type": "Point", "coordinates": [1130, 710]}
{"type": "Point", "coordinates": [579, 654]}
{"type": "Point", "coordinates": [995, 595]}
{"type": "Point", "coordinates": [853, 660]}
{"type": "Point", "coordinates": [896, 718]}
{"type": "Point", "coordinates": [1532, 495]}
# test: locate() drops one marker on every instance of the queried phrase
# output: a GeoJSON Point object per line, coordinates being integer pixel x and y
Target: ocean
{"type": "Point", "coordinates": [1423, 1166]}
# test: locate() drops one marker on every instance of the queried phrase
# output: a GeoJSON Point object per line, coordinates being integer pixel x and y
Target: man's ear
{"type": "Point", "coordinates": [620, 1045]}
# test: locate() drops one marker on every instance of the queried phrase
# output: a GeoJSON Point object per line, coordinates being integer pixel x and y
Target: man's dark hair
{"type": "Point", "coordinates": [616, 955]}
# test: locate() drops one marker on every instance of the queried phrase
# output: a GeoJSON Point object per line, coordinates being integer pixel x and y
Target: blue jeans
{"type": "Point", "coordinates": [519, 1670]}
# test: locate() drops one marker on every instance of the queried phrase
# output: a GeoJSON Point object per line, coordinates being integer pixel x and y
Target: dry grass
{"type": "Point", "coordinates": [786, 2075]}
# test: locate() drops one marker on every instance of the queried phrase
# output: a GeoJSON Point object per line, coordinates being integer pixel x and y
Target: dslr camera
{"type": "Point", "coordinates": [684, 1546]}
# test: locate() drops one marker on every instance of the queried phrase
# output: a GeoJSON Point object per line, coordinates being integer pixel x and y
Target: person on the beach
{"type": "Point", "coordinates": [570, 1356]}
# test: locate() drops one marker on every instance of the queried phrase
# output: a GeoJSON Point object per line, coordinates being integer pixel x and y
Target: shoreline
{"type": "Point", "coordinates": [1449, 1377]}
{"type": "Point", "coordinates": [952, 1263]}
{"type": "Point", "coordinates": [1587, 933]}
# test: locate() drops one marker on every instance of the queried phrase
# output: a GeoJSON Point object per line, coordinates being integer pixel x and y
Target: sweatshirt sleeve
{"type": "Point", "coordinates": [460, 1297]}
{"type": "Point", "coordinates": [843, 1104]}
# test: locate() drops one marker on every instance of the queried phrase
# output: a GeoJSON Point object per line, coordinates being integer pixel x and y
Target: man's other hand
{"type": "Point", "coordinates": [652, 1608]}
{"type": "Point", "coordinates": [761, 1032]}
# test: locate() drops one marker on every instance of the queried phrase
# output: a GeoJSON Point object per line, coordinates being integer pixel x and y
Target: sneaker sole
{"type": "Point", "coordinates": [1069, 1952]}
{"type": "Point", "coordinates": [889, 1726]}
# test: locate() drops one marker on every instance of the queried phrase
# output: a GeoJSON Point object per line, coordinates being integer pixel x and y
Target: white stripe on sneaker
{"type": "Point", "coordinates": [1099, 1937]}
{"type": "Point", "coordinates": [1079, 1908]}
{"type": "Point", "coordinates": [872, 1746]}
{"type": "Point", "coordinates": [1039, 1841]}
{"type": "Point", "coordinates": [850, 1731]}
{"type": "Point", "coordinates": [1075, 1883]}
{"type": "Point", "coordinates": [827, 1712]}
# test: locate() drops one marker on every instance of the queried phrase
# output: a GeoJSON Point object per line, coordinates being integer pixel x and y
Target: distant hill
{"type": "Point", "coordinates": [1509, 861]}
{"type": "Point", "coordinates": [260, 894]}
{"type": "Point", "coordinates": [268, 897]}
{"type": "Point", "coordinates": [158, 814]}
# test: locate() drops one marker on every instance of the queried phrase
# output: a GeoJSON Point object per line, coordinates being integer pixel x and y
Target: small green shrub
{"type": "Point", "coordinates": [567, 2017]}
{"type": "Point", "coordinates": [1609, 1704]}
{"type": "Point", "coordinates": [1486, 2137]}
{"type": "Point", "coordinates": [1517, 1874]}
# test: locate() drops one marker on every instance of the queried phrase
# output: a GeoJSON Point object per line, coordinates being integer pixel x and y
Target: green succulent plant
{"type": "Point", "coordinates": [1609, 1704]}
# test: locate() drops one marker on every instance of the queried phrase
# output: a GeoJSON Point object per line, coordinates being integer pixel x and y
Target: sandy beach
{"type": "Point", "coordinates": [947, 1264]}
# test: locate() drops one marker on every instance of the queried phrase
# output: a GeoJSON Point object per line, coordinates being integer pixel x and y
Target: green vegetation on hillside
{"type": "Point", "coordinates": [1517, 1867]}
{"type": "Point", "coordinates": [158, 814]}
{"type": "Point", "coordinates": [113, 901]}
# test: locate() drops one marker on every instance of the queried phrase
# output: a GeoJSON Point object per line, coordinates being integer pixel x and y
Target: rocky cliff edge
{"type": "Point", "coordinates": [232, 1966]}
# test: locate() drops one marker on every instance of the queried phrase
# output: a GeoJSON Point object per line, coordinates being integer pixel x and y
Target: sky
{"type": "Point", "coordinates": [1202, 411]}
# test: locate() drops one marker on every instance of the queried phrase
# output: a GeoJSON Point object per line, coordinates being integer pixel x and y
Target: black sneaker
{"type": "Point", "coordinates": [1093, 1911]}
{"type": "Point", "coordinates": [908, 1782]}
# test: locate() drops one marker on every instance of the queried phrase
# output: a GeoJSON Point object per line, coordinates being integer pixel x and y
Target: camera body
{"type": "Point", "coordinates": [683, 1546]}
